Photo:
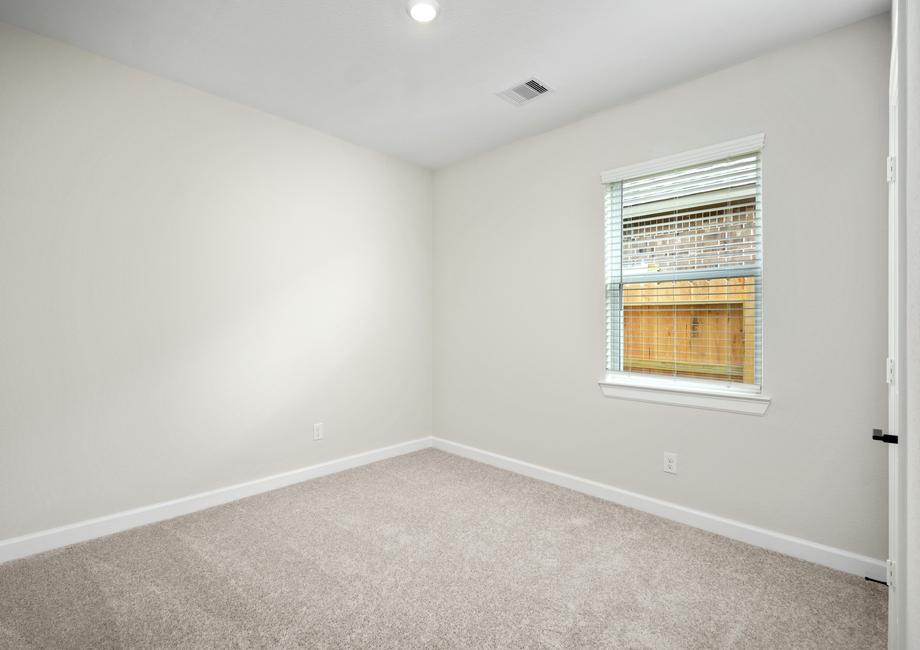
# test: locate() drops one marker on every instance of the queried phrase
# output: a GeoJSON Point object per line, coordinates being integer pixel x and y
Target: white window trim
{"type": "Point", "coordinates": [677, 391]}
{"type": "Point", "coordinates": [737, 147]}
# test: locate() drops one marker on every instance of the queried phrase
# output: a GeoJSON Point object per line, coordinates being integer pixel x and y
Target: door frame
{"type": "Point", "coordinates": [896, 371]}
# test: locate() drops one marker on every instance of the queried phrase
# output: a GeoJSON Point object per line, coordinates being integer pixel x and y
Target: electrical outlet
{"type": "Point", "coordinates": [670, 462]}
{"type": "Point", "coordinates": [318, 431]}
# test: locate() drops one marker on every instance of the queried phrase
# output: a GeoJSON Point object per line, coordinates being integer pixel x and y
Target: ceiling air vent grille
{"type": "Point", "coordinates": [523, 93]}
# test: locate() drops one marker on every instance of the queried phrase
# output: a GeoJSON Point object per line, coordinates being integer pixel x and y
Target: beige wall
{"type": "Point", "coordinates": [519, 297]}
{"type": "Point", "coordinates": [186, 286]}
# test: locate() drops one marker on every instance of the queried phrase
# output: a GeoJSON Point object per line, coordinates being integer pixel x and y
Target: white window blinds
{"type": "Point", "coordinates": [683, 272]}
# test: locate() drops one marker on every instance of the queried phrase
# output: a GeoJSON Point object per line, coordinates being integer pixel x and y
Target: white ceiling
{"type": "Point", "coordinates": [363, 71]}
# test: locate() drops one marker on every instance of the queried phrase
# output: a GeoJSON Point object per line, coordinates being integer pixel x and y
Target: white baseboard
{"type": "Point", "coordinates": [797, 547]}
{"type": "Point", "coordinates": [46, 540]}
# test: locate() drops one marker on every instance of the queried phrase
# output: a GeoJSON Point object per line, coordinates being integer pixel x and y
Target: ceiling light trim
{"type": "Point", "coordinates": [423, 11]}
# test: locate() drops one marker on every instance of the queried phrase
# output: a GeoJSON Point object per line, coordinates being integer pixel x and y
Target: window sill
{"type": "Point", "coordinates": [676, 393]}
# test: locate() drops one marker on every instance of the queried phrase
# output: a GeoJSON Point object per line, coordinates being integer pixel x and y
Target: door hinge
{"type": "Point", "coordinates": [889, 370]}
{"type": "Point", "coordinates": [889, 572]}
{"type": "Point", "coordinates": [891, 168]}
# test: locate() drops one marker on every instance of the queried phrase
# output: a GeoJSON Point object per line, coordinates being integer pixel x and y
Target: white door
{"type": "Point", "coordinates": [895, 374]}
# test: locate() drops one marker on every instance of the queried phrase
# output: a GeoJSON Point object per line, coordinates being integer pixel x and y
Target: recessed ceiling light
{"type": "Point", "coordinates": [423, 11]}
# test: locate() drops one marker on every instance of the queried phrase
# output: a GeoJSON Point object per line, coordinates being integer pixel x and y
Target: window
{"type": "Point", "coordinates": [684, 274]}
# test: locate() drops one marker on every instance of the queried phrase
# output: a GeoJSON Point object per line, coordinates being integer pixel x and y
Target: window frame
{"type": "Point", "coordinates": [684, 391]}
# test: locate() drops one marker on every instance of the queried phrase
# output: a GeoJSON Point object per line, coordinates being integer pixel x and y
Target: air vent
{"type": "Point", "coordinates": [523, 93]}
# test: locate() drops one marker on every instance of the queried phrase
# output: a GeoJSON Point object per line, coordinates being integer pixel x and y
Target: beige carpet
{"type": "Point", "coordinates": [429, 550]}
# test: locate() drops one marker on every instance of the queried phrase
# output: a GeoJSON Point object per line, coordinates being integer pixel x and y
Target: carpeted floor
{"type": "Point", "coordinates": [435, 551]}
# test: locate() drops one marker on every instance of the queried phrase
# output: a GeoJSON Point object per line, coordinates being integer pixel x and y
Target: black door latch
{"type": "Point", "coordinates": [884, 437]}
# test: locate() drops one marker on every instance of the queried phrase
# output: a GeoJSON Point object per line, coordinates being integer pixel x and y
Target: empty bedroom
{"type": "Point", "coordinates": [460, 324]}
